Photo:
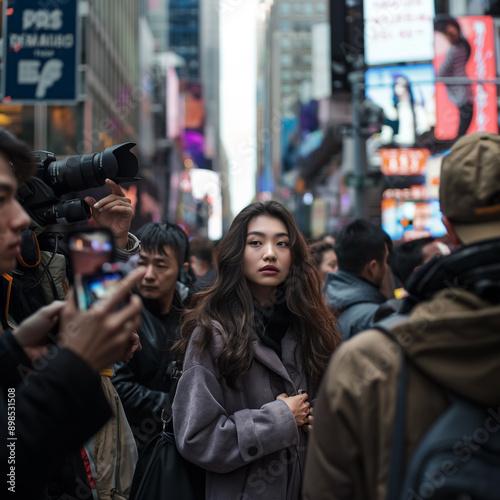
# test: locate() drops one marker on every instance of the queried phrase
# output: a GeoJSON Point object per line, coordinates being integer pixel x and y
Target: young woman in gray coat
{"type": "Point", "coordinates": [254, 347]}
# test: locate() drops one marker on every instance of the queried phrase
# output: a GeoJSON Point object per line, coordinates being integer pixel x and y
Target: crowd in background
{"type": "Point", "coordinates": [252, 323]}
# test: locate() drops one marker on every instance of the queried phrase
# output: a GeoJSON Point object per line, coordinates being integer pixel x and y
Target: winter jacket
{"type": "Point", "coordinates": [143, 383]}
{"type": "Point", "coordinates": [452, 344]}
{"type": "Point", "coordinates": [356, 299]}
{"type": "Point", "coordinates": [248, 441]}
{"type": "Point", "coordinates": [56, 408]}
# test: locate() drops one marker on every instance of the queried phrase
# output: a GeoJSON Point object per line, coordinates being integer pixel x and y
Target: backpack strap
{"type": "Point", "coordinates": [397, 461]}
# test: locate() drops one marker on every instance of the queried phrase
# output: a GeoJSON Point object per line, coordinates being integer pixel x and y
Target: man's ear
{"type": "Point", "coordinates": [186, 264]}
{"type": "Point", "coordinates": [452, 234]}
{"type": "Point", "coordinates": [370, 270]}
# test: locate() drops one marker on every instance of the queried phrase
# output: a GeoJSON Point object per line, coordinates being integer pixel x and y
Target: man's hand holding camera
{"type": "Point", "coordinates": [114, 212]}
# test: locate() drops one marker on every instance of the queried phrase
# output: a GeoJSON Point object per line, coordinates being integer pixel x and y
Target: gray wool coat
{"type": "Point", "coordinates": [248, 441]}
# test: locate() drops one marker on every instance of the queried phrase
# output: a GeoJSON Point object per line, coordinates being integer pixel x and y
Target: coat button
{"type": "Point", "coordinates": [252, 451]}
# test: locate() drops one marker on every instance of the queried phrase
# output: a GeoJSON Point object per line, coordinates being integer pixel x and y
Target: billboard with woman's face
{"type": "Point", "coordinates": [465, 50]}
{"type": "Point", "coordinates": [406, 95]}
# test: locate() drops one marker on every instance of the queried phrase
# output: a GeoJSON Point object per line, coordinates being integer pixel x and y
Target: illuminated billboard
{"type": "Point", "coordinates": [465, 49]}
{"type": "Point", "coordinates": [398, 31]}
{"type": "Point", "coordinates": [406, 219]}
{"type": "Point", "coordinates": [406, 96]}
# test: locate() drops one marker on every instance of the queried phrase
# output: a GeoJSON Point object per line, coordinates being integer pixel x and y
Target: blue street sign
{"type": "Point", "coordinates": [40, 42]}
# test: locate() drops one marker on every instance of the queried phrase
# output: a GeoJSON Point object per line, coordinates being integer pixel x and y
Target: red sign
{"type": "Point", "coordinates": [404, 161]}
{"type": "Point", "coordinates": [466, 108]}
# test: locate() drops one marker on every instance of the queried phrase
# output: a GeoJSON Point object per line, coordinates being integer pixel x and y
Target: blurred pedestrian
{"type": "Point", "coordinates": [201, 252]}
{"type": "Point", "coordinates": [324, 259]}
{"type": "Point", "coordinates": [446, 355]}
{"type": "Point", "coordinates": [355, 289]}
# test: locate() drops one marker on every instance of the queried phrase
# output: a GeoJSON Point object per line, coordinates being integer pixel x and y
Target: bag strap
{"type": "Point", "coordinates": [397, 461]}
{"type": "Point", "coordinates": [174, 371]}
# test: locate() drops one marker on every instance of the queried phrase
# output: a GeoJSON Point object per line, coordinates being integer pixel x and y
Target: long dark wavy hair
{"type": "Point", "coordinates": [230, 302]}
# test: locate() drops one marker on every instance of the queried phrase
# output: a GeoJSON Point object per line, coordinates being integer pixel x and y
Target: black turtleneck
{"type": "Point", "coordinates": [271, 324]}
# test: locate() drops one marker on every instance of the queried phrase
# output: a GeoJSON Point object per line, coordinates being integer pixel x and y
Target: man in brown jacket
{"type": "Point", "coordinates": [450, 339]}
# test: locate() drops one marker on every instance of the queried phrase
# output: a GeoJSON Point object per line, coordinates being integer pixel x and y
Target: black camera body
{"type": "Point", "coordinates": [41, 195]}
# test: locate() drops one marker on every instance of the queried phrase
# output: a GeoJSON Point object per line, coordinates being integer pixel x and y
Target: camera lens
{"type": "Point", "coordinates": [91, 170]}
{"type": "Point", "coordinates": [64, 212]}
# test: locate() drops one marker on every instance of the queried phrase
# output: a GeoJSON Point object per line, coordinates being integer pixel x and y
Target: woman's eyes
{"type": "Point", "coordinates": [256, 243]}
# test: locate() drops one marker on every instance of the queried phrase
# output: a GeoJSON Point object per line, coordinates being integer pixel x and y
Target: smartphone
{"type": "Point", "coordinates": [98, 286]}
{"type": "Point", "coordinates": [91, 250]}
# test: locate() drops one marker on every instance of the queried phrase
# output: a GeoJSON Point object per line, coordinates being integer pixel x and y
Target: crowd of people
{"type": "Point", "coordinates": [289, 386]}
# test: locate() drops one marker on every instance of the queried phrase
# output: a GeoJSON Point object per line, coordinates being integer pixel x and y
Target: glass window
{"type": "Point", "coordinates": [286, 76]}
{"type": "Point", "coordinates": [285, 8]}
{"type": "Point", "coordinates": [297, 43]}
{"type": "Point", "coordinates": [308, 9]}
{"type": "Point", "coordinates": [286, 60]}
{"type": "Point", "coordinates": [307, 59]}
{"type": "Point", "coordinates": [297, 8]}
{"type": "Point", "coordinates": [320, 8]}
{"type": "Point", "coordinates": [297, 74]}
{"type": "Point", "coordinates": [285, 25]}
{"type": "Point", "coordinates": [286, 43]}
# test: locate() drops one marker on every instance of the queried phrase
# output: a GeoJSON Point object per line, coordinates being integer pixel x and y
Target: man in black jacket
{"type": "Point", "coordinates": [143, 383]}
{"type": "Point", "coordinates": [51, 398]}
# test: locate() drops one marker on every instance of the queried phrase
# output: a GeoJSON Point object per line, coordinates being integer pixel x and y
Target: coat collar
{"type": "Point", "coordinates": [270, 359]}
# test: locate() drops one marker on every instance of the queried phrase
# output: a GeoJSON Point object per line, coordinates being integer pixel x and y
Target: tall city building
{"type": "Point", "coordinates": [184, 35]}
{"type": "Point", "coordinates": [285, 80]}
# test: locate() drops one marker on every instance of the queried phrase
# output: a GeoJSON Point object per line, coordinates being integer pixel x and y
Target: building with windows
{"type": "Point", "coordinates": [184, 35]}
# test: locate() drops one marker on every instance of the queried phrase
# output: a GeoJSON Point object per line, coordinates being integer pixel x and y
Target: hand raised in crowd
{"type": "Point", "coordinates": [113, 212]}
{"type": "Point", "coordinates": [299, 406]}
{"type": "Point", "coordinates": [32, 333]}
{"type": "Point", "coordinates": [103, 335]}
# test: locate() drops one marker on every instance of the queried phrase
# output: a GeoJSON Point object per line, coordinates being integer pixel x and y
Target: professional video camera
{"type": "Point", "coordinates": [43, 273]}
{"type": "Point", "coordinates": [40, 196]}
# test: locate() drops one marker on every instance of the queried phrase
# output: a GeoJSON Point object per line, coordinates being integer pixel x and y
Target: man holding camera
{"type": "Point", "coordinates": [52, 398]}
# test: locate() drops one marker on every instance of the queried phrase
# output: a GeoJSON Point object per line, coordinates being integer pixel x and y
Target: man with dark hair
{"type": "Point", "coordinates": [408, 256]}
{"type": "Point", "coordinates": [354, 290]}
{"type": "Point", "coordinates": [143, 383]}
{"type": "Point", "coordinates": [385, 394]}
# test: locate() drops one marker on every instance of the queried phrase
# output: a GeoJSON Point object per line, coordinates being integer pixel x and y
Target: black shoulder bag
{"type": "Point", "coordinates": [161, 471]}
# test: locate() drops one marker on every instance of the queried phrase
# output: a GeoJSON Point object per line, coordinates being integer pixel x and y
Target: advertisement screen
{"type": "Point", "coordinates": [398, 31]}
{"type": "Point", "coordinates": [406, 95]}
{"type": "Point", "coordinates": [465, 49]}
{"type": "Point", "coordinates": [410, 219]}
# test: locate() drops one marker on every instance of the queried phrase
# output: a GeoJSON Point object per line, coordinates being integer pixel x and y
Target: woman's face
{"type": "Point", "coordinates": [452, 34]}
{"type": "Point", "coordinates": [328, 265]}
{"type": "Point", "coordinates": [401, 87]}
{"type": "Point", "coordinates": [267, 257]}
